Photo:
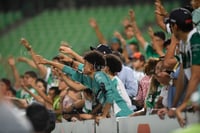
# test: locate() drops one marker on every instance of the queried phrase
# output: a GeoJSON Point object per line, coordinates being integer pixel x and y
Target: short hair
{"type": "Point", "coordinates": [32, 74]}
{"type": "Point", "coordinates": [44, 83]}
{"type": "Point", "coordinates": [160, 34]}
{"type": "Point", "coordinates": [95, 58]}
{"type": "Point", "coordinates": [38, 116]}
{"type": "Point", "coordinates": [114, 63]}
{"type": "Point", "coordinates": [6, 82]}
{"type": "Point", "coordinates": [128, 26]}
{"type": "Point", "coordinates": [56, 90]}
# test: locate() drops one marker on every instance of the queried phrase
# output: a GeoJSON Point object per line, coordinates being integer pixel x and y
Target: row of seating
{"type": "Point", "coordinates": [9, 18]}
{"type": "Point", "coordinates": [46, 30]}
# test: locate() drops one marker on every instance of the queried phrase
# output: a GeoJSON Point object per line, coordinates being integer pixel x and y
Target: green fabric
{"type": "Point", "coordinates": [152, 98]}
{"type": "Point", "coordinates": [195, 48]}
{"type": "Point", "coordinates": [19, 93]}
{"type": "Point", "coordinates": [196, 18]}
{"type": "Point", "coordinates": [125, 110]}
{"type": "Point", "coordinates": [194, 128]}
{"type": "Point", "coordinates": [28, 97]}
{"type": "Point", "coordinates": [93, 84]}
{"type": "Point", "coordinates": [150, 52]}
{"type": "Point", "coordinates": [133, 40]}
{"type": "Point", "coordinates": [56, 106]}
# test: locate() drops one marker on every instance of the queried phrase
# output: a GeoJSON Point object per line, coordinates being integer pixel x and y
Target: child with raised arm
{"type": "Point", "coordinates": [92, 77]}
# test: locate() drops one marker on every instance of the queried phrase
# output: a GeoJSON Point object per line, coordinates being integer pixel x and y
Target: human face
{"type": "Point", "coordinates": [3, 88]}
{"type": "Point", "coordinates": [158, 41]}
{"type": "Point", "coordinates": [51, 94]}
{"type": "Point", "coordinates": [88, 68]}
{"type": "Point", "coordinates": [137, 64]}
{"type": "Point", "coordinates": [40, 86]}
{"type": "Point", "coordinates": [115, 46]}
{"type": "Point", "coordinates": [62, 85]}
{"type": "Point", "coordinates": [28, 80]}
{"type": "Point", "coordinates": [195, 4]}
{"type": "Point", "coordinates": [129, 32]}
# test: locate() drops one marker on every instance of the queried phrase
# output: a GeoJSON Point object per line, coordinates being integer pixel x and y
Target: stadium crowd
{"type": "Point", "coordinates": [114, 79]}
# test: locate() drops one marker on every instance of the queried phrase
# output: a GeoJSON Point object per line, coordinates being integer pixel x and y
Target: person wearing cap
{"type": "Point", "coordinates": [181, 25]}
{"type": "Point", "coordinates": [138, 62]}
{"type": "Point", "coordinates": [156, 49]}
{"type": "Point", "coordinates": [114, 43]}
{"type": "Point", "coordinates": [92, 78]}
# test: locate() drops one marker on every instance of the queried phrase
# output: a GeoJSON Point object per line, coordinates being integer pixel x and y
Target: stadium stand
{"type": "Point", "coordinates": [46, 30]}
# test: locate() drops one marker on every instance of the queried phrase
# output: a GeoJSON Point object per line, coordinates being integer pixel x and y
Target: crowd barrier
{"type": "Point", "coordinates": [139, 124]}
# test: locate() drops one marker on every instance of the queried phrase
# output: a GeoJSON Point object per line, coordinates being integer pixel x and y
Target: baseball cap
{"type": "Point", "coordinates": [182, 17]}
{"type": "Point", "coordinates": [138, 56]}
{"type": "Point", "coordinates": [102, 48]}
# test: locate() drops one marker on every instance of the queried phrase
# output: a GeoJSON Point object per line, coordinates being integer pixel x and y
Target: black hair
{"type": "Point", "coordinates": [114, 63]}
{"type": "Point", "coordinates": [12, 90]}
{"type": "Point", "coordinates": [7, 82]}
{"type": "Point", "coordinates": [38, 116]}
{"type": "Point", "coordinates": [160, 34]}
{"type": "Point", "coordinates": [56, 90]}
{"type": "Point", "coordinates": [44, 83]}
{"type": "Point", "coordinates": [118, 54]}
{"type": "Point", "coordinates": [32, 74]}
{"type": "Point", "coordinates": [167, 42]}
{"type": "Point", "coordinates": [95, 58]}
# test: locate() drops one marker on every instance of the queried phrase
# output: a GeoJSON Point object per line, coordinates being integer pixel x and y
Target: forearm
{"type": "Point", "coordinates": [106, 109]}
{"type": "Point", "coordinates": [16, 76]}
{"type": "Point", "coordinates": [36, 97]}
{"type": "Point", "coordinates": [78, 57]}
{"type": "Point", "coordinates": [42, 69]}
{"type": "Point", "coordinates": [138, 35]}
{"type": "Point", "coordinates": [100, 36]}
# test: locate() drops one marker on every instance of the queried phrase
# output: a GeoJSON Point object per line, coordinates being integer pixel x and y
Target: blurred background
{"type": "Point", "coordinates": [45, 23]}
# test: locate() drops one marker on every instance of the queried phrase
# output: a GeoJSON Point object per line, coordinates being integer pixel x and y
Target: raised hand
{"type": "Point", "coordinates": [160, 8]}
{"type": "Point", "coordinates": [117, 35]}
{"type": "Point", "coordinates": [65, 49]}
{"type": "Point", "coordinates": [11, 61]}
{"type": "Point", "coordinates": [150, 31]}
{"type": "Point", "coordinates": [26, 44]}
{"type": "Point", "coordinates": [93, 23]}
{"type": "Point", "coordinates": [64, 58]}
{"type": "Point", "coordinates": [22, 59]}
{"type": "Point", "coordinates": [40, 60]}
{"type": "Point", "coordinates": [66, 44]}
{"type": "Point", "coordinates": [132, 15]}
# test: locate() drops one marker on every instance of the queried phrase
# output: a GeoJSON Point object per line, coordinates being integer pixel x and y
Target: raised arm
{"type": "Point", "coordinates": [67, 50]}
{"type": "Point", "coordinates": [36, 97]}
{"type": "Point", "coordinates": [99, 34]}
{"type": "Point", "coordinates": [157, 47]}
{"type": "Point", "coordinates": [123, 42]}
{"type": "Point", "coordinates": [41, 60]}
{"type": "Point", "coordinates": [136, 30]}
{"type": "Point", "coordinates": [160, 14]}
{"type": "Point", "coordinates": [28, 61]}
{"type": "Point", "coordinates": [72, 84]}
{"type": "Point", "coordinates": [42, 69]}
{"type": "Point", "coordinates": [11, 62]}
{"type": "Point", "coordinates": [170, 60]}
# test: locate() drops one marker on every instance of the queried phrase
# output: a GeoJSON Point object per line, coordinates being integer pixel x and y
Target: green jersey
{"type": "Point", "coordinates": [190, 52]}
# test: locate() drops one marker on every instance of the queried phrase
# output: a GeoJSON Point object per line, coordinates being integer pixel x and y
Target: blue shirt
{"type": "Point", "coordinates": [130, 83]}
